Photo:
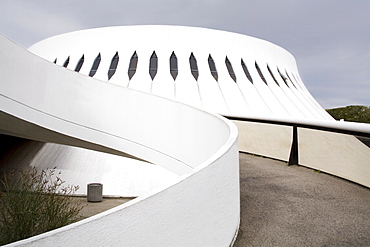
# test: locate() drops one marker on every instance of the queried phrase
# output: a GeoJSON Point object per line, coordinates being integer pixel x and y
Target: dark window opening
{"type": "Point", "coordinates": [133, 65]}
{"type": "Point", "coordinates": [80, 63]}
{"type": "Point", "coordinates": [246, 71]}
{"type": "Point", "coordinates": [212, 67]}
{"type": "Point", "coordinates": [193, 66]}
{"type": "Point", "coordinates": [153, 65]}
{"type": "Point", "coordinates": [113, 65]}
{"type": "Point", "coordinates": [285, 79]}
{"type": "Point", "coordinates": [297, 80]}
{"type": "Point", "coordinates": [95, 65]}
{"type": "Point", "coordinates": [260, 73]}
{"type": "Point", "coordinates": [66, 62]}
{"type": "Point", "coordinates": [272, 75]}
{"type": "Point", "coordinates": [230, 69]}
{"type": "Point", "coordinates": [173, 66]}
{"type": "Point", "coordinates": [286, 72]}
{"type": "Point", "coordinates": [55, 61]}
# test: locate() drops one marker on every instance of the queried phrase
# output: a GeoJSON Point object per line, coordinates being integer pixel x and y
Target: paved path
{"type": "Point", "coordinates": [296, 206]}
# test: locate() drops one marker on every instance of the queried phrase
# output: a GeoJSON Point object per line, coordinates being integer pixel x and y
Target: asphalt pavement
{"type": "Point", "coordinates": [295, 206]}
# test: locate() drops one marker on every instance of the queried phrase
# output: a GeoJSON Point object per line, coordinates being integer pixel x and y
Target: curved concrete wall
{"type": "Point", "coordinates": [51, 102]}
{"type": "Point", "coordinates": [121, 176]}
{"type": "Point", "coordinates": [45, 102]}
{"type": "Point", "coordinates": [111, 118]}
{"type": "Point", "coordinates": [282, 95]}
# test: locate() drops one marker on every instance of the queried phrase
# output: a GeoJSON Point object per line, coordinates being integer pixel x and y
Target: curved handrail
{"type": "Point", "coordinates": [325, 150]}
{"type": "Point", "coordinates": [351, 128]}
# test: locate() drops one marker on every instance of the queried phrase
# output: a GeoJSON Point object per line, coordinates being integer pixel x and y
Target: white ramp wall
{"type": "Point", "coordinates": [42, 101]}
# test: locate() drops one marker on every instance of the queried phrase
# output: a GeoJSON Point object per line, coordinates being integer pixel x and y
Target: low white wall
{"type": "Point", "coordinates": [200, 210]}
{"type": "Point", "coordinates": [265, 139]}
{"type": "Point", "coordinates": [43, 101]}
{"type": "Point", "coordinates": [338, 154]}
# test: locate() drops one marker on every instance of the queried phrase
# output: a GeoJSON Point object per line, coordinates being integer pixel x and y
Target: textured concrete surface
{"type": "Point", "coordinates": [296, 206]}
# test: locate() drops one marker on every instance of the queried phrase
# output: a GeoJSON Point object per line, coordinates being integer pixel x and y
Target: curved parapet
{"type": "Point", "coordinates": [45, 102]}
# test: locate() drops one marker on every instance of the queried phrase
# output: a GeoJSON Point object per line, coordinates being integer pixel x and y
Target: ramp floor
{"type": "Point", "coordinates": [295, 206]}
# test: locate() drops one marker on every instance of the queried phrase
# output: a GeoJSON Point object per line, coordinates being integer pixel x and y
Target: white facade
{"type": "Point", "coordinates": [285, 97]}
{"type": "Point", "coordinates": [187, 155]}
{"type": "Point", "coordinates": [236, 75]}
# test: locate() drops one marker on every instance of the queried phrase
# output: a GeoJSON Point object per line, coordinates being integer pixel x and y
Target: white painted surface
{"type": "Point", "coordinates": [192, 212]}
{"type": "Point", "coordinates": [120, 176]}
{"type": "Point", "coordinates": [224, 96]}
{"type": "Point", "coordinates": [43, 101]}
{"type": "Point", "coordinates": [197, 191]}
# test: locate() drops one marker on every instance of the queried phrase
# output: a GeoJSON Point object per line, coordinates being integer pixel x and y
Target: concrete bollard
{"type": "Point", "coordinates": [95, 192]}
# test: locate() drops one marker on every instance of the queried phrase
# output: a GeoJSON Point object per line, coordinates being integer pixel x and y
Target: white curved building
{"type": "Point", "coordinates": [96, 90]}
{"type": "Point", "coordinates": [218, 71]}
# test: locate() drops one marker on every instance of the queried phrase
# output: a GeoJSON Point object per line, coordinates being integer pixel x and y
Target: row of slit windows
{"type": "Point", "coordinates": [153, 67]}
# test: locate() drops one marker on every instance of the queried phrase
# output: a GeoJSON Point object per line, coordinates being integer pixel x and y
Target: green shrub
{"type": "Point", "coordinates": [32, 203]}
{"type": "Point", "coordinates": [352, 113]}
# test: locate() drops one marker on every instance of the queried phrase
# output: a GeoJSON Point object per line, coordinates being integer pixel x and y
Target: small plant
{"type": "Point", "coordinates": [32, 203]}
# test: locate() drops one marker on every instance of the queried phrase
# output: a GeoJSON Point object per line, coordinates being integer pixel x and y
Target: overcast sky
{"type": "Point", "coordinates": [330, 39]}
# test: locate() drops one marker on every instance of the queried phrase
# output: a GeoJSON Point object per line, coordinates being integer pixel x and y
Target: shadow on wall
{"type": "Point", "coordinates": [17, 152]}
{"type": "Point", "coordinates": [364, 140]}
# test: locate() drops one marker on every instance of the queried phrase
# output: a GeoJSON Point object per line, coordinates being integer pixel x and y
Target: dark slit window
{"type": "Point", "coordinates": [153, 65]}
{"type": "Point", "coordinates": [55, 61]}
{"type": "Point", "coordinates": [132, 66]}
{"type": "Point", "coordinates": [173, 66]}
{"type": "Point", "coordinates": [295, 79]}
{"type": "Point", "coordinates": [230, 69]}
{"type": "Point", "coordinates": [284, 78]}
{"type": "Point", "coordinates": [272, 75]}
{"type": "Point", "coordinates": [80, 63]}
{"type": "Point", "coordinates": [246, 71]}
{"type": "Point", "coordinates": [113, 65]}
{"type": "Point", "coordinates": [193, 66]}
{"type": "Point", "coordinates": [212, 67]}
{"type": "Point", "coordinates": [286, 72]}
{"type": "Point", "coordinates": [260, 73]}
{"type": "Point", "coordinates": [95, 65]}
{"type": "Point", "coordinates": [66, 62]}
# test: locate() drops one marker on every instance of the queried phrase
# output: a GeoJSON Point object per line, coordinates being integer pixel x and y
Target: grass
{"type": "Point", "coordinates": [32, 203]}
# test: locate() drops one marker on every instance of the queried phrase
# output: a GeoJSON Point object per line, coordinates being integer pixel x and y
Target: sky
{"type": "Point", "coordinates": [330, 39]}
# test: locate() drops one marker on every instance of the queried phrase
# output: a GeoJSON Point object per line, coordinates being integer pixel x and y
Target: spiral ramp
{"type": "Point", "coordinates": [94, 115]}
{"type": "Point", "coordinates": [198, 206]}
{"type": "Point", "coordinates": [221, 72]}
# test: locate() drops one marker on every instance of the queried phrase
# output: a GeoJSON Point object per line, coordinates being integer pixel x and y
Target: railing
{"type": "Point", "coordinates": [359, 167]}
